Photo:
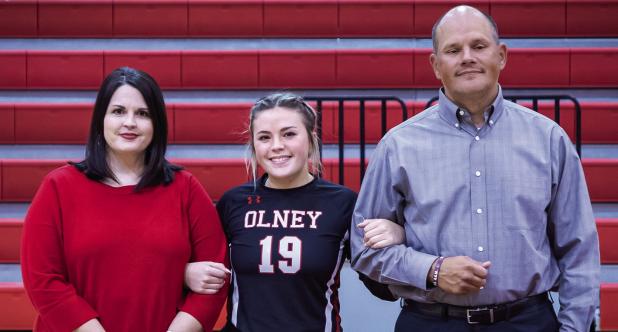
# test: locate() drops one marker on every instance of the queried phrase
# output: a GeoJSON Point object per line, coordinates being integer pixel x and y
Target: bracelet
{"type": "Point", "coordinates": [436, 271]}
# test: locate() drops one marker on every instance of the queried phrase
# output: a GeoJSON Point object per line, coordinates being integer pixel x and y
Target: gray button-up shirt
{"type": "Point", "coordinates": [512, 192]}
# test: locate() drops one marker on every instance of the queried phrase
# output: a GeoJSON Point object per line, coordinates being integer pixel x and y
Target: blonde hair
{"type": "Point", "coordinates": [310, 121]}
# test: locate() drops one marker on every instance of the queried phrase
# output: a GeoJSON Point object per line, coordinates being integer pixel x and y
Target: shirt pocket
{"type": "Point", "coordinates": [524, 200]}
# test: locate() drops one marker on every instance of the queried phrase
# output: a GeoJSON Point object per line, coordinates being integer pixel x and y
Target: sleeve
{"type": "Point", "coordinates": [382, 195]}
{"type": "Point", "coordinates": [572, 232]}
{"type": "Point", "coordinates": [43, 264]}
{"type": "Point", "coordinates": [208, 244]}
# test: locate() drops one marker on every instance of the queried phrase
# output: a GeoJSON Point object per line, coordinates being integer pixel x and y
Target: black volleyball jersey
{"type": "Point", "coordinates": [287, 248]}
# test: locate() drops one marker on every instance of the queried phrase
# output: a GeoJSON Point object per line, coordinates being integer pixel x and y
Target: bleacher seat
{"type": "Point", "coordinates": [67, 123]}
{"type": "Point", "coordinates": [609, 307]}
{"type": "Point", "coordinates": [325, 68]}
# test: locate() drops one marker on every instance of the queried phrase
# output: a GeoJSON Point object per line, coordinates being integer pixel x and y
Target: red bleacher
{"type": "Point", "coordinates": [67, 123]}
{"type": "Point", "coordinates": [330, 68]}
{"type": "Point", "coordinates": [294, 18]}
{"type": "Point", "coordinates": [609, 309]}
{"type": "Point", "coordinates": [21, 177]}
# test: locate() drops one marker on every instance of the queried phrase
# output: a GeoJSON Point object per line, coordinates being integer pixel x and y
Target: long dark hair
{"type": "Point", "coordinates": [157, 170]}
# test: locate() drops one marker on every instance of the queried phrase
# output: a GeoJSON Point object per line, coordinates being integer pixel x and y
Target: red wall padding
{"type": "Point", "coordinates": [21, 177]}
{"type": "Point", "coordinates": [370, 68]}
{"type": "Point", "coordinates": [592, 18]}
{"type": "Point", "coordinates": [297, 69]}
{"type": "Point", "coordinates": [163, 66]}
{"type": "Point", "coordinates": [289, 69]}
{"type": "Point", "coordinates": [211, 123]}
{"type": "Point", "coordinates": [295, 18]}
{"type": "Point", "coordinates": [79, 18]}
{"type": "Point", "coordinates": [536, 67]}
{"type": "Point", "coordinates": [599, 122]}
{"type": "Point", "coordinates": [13, 69]}
{"type": "Point", "coordinates": [609, 306]}
{"type": "Point", "coordinates": [300, 18]}
{"type": "Point", "coordinates": [424, 76]}
{"type": "Point", "coordinates": [427, 12]}
{"type": "Point", "coordinates": [226, 18]}
{"type": "Point", "coordinates": [602, 179]}
{"type": "Point", "coordinates": [608, 233]}
{"type": "Point", "coordinates": [594, 67]}
{"type": "Point", "coordinates": [220, 69]}
{"type": "Point", "coordinates": [17, 312]}
{"type": "Point", "coordinates": [193, 123]}
{"type": "Point", "coordinates": [18, 18]}
{"type": "Point", "coordinates": [529, 17]}
{"type": "Point", "coordinates": [10, 238]}
{"type": "Point", "coordinates": [150, 18]}
{"type": "Point", "coordinates": [52, 123]}
{"type": "Point", "coordinates": [370, 18]}
{"type": "Point", "coordinates": [7, 124]}
{"type": "Point", "coordinates": [64, 70]}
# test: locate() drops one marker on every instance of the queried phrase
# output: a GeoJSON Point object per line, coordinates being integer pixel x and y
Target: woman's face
{"type": "Point", "coordinates": [127, 126]}
{"type": "Point", "coordinates": [282, 146]}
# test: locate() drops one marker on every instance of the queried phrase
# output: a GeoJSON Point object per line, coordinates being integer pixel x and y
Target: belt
{"type": "Point", "coordinates": [488, 314]}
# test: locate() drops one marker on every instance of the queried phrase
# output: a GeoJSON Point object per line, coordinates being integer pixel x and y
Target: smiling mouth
{"type": "Point", "coordinates": [129, 136]}
{"type": "Point", "coordinates": [279, 159]}
{"type": "Point", "coordinates": [468, 72]}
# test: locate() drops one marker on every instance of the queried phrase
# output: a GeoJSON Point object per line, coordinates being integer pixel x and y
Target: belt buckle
{"type": "Point", "coordinates": [481, 309]}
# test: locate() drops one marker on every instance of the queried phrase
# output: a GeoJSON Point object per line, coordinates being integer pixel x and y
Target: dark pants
{"type": "Point", "coordinates": [535, 318]}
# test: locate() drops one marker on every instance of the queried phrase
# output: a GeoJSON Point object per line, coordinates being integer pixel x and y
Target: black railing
{"type": "Point", "coordinates": [535, 106]}
{"type": "Point", "coordinates": [361, 101]}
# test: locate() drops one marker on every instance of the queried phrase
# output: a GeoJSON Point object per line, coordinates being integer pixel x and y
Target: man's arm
{"type": "Point", "coordinates": [382, 196]}
{"type": "Point", "coordinates": [572, 231]}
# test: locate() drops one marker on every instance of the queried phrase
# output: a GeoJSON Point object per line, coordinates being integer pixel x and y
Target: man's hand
{"type": "Point", "coordinates": [462, 275]}
{"type": "Point", "coordinates": [205, 277]}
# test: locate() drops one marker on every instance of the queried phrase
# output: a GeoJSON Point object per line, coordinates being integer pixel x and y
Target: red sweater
{"type": "Point", "coordinates": [90, 250]}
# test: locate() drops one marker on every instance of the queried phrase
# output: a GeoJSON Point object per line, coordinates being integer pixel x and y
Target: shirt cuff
{"type": "Point", "coordinates": [69, 315]}
{"type": "Point", "coordinates": [204, 308]}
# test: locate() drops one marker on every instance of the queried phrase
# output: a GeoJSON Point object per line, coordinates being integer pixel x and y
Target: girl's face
{"type": "Point", "coordinates": [281, 144]}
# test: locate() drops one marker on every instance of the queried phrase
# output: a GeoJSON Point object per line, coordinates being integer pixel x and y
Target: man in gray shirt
{"type": "Point", "coordinates": [493, 199]}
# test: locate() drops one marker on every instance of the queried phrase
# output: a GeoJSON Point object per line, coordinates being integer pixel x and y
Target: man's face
{"type": "Point", "coordinates": [468, 60]}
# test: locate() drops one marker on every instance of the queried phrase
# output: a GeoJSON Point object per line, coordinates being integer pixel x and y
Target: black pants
{"type": "Point", "coordinates": [535, 318]}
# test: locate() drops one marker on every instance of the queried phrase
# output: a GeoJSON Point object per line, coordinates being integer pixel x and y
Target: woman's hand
{"type": "Point", "coordinates": [381, 233]}
{"type": "Point", "coordinates": [92, 325]}
{"type": "Point", "coordinates": [205, 277]}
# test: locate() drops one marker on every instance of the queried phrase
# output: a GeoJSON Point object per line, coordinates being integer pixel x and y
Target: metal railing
{"type": "Point", "coordinates": [361, 101]}
{"type": "Point", "coordinates": [535, 106]}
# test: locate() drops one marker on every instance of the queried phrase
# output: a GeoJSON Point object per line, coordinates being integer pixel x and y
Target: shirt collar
{"type": "Point", "coordinates": [449, 111]}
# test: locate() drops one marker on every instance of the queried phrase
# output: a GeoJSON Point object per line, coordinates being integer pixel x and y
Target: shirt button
{"type": "Point", "coordinates": [477, 173]}
{"type": "Point", "coordinates": [477, 138]}
{"type": "Point", "coordinates": [479, 211]}
{"type": "Point", "coordinates": [457, 125]}
{"type": "Point", "coordinates": [480, 248]}
{"type": "Point", "coordinates": [491, 122]}
{"type": "Point", "coordinates": [461, 112]}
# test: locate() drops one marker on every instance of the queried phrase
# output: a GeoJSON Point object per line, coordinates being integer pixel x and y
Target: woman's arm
{"type": "Point", "coordinates": [206, 277]}
{"type": "Point", "coordinates": [43, 264]}
{"type": "Point", "coordinates": [208, 243]}
{"type": "Point", "coordinates": [381, 233]}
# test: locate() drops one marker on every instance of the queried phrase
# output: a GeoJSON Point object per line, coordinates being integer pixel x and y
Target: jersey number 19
{"type": "Point", "coordinates": [290, 248]}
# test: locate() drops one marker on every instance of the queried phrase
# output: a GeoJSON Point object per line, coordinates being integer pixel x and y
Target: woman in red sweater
{"type": "Point", "coordinates": [106, 240]}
